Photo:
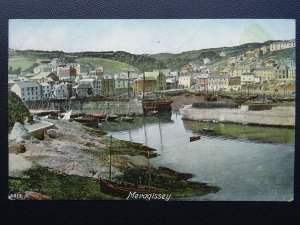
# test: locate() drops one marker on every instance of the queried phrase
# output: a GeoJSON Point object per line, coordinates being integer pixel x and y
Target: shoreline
{"type": "Point", "coordinates": [79, 154]}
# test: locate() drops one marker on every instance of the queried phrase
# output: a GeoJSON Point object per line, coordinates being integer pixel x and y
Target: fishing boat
{"type": "Point", "coordinates": [127, 118]}
{"type": "Point", "coordinates": [123, 189]}
{"type": "Point", "coordinates": [87, 121]}
{"type": "Point", "coordinates": [195, 138]}
{"type": "Point", "coordinates": [98, 116]}
{"type": "Point", "coordinates": [111, 117]}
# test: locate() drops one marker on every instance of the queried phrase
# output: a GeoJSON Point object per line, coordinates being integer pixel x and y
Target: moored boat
{"type": "Point", "coordinates": [195, 138]}
{"type": "Point", "coordinates": [127, 118]}
{"type": "Point", "coordinates": [111, 117]}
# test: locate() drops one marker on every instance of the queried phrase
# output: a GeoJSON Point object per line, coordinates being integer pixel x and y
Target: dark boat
{"type": "Point", "coordinates": [195, 138]}
{"type": "Point", "coordinates": [178, 176]}
{"type": "Point", "coordinates": [123, 190]}
{"type": "Point", "coordinates": [111, 117]}
{"type": "Point", "coordinates": [98, 116]}
{"type": "Point", "coordinates": [159, 105]}
{"type": "Point", "coordinates": [87, 121]}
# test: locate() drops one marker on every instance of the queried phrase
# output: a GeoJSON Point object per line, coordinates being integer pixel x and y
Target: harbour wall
{"type": "Point", "coordinates": [277, 116]}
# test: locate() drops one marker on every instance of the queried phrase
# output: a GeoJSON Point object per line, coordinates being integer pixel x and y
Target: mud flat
{"type": "Point", "coordinates": [277, 116]}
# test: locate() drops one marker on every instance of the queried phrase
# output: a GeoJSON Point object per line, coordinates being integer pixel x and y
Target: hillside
{"type": "Point", "coordinates": [114, 62]}
{"type": "Point", "coordinates": [110, 66]}
{"type": "Point", "coordinates": [175, 61]}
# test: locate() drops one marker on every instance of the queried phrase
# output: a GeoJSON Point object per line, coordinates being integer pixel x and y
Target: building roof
{"type": "Point", "coordinates": [25, 84]}
{"type": "Point", "coordinates": [248, 74]}
{"type": "Point", "coordinates": [41, 75]}
{"type": "Point", "coordinates": [82, 86]}
{"type": "Point", "coordinates": [45, 84]}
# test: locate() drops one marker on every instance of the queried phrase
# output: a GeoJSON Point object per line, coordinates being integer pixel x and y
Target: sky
{"type": "Point", "coordinates": [144, 36]}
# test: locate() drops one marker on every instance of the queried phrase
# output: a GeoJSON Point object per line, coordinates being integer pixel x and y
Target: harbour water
{"type": "Point", "coordinates": [255, 164]}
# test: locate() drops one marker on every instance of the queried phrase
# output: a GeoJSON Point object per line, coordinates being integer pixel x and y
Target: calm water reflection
{"type": "Point", "coordinates": [243, 169]}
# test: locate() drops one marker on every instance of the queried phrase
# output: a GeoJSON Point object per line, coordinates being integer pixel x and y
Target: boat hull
{"type": "Point", "coordinates": [111, 188]}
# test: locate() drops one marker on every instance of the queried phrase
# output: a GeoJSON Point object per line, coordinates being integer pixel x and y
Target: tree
{"type": "Point", "coordinates": [17, 111]}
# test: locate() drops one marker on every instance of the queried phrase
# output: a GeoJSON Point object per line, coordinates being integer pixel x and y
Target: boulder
{"type": "Point", "coordinates": [19, 133]}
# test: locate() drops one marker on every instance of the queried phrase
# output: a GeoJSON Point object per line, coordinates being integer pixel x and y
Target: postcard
{"type": "Point", "coordinates": [152, 109]}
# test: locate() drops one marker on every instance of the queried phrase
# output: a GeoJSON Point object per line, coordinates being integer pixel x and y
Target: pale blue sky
{"type": "Point", "coordinates": [144, 36]}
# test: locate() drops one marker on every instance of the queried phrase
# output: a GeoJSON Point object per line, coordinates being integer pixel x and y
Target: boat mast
{"type": "Point", "coordinates": [143, 84]}
{"type": "Point", "coordinates": [149, 178]}
{"type": "Point", "coordinates": [110, 157]}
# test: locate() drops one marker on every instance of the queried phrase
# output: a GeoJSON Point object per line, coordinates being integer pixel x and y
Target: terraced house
{"type": "Point", "coordinates": [265, 73]}
{"type": "Point", "coordinates": [27, 90]}
{"type": "Point", "coordinates": [218, 83]}
{"type": "Point", "coordinates": [108, 86]}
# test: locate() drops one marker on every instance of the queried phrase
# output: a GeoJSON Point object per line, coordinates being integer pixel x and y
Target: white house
{"type": "Point", "coordinates": [63, 70]}
{"type": "Point", "coordinates": [46, 90]}
{"type": "Point", "coordinates": [275, 46]}
{"type": "Point", "coordinates": [247, 78]}
{"type": "Point", "coordinates": [59, 91]}
{"type": "Point", "coordinates": [185, 81]}
{"type": "Point", "coordinates": [27, 91]}
{"type": "Point", "coordinates": [216, 83]}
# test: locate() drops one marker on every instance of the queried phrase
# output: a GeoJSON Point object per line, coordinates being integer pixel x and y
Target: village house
{"type": "Point", "coordinates": [247, 78]}
{"type": "Point", "coordinates": [83, 91]}
{"type": "Point", "coordinates": [99, 71]}
{"type": "Point", "coordinates": [171, 83]}
{"type": "Point", "coordinates": [74, 69]}
{"type": "Point", "coordinates": [108, 86]}
{"type": "Point", "coordinates": [46, 90]}
{"type": "Point", "coordinates": [281, 73]}
{"type": "Point", "coordinates": [148, 84]}
{"type": "Point", "coordinates": [185, 81]}
{"type": "Point", "coordinates": [238, 71]}
{"type": "Point", "coordinates": [27, 90]}
{"type": "Point", "coordinates": [44, 77]}
{"type": "Point", "coordinates": [234, 83]}
{"type": "Point", "coordinates": [218, 83]}
{"type": "Point", "coordinates": [275, 46]}
{"type": "Point", "coordinates": [160, 79]}
{"type": "Point", "coordinates": [95, 83]}
{"type": "Point", "coordinates": [59, 91]}
{"type": "Point", "coordinates": [265, 73]}
{"type": "Point", "coordinates": [43, 68]}
{"type": "Point", "coordinates": [292, 73]}
{"type": "Point", "coordinates": [63, 70]}
{"type": "Point", "coordinates": [122, 85]}
{"type": "Point", "coordinates": [201, 82]}
{"type": "Point", "coordinates": [186, 69]}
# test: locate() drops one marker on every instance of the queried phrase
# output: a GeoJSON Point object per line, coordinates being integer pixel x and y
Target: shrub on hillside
{"type": "Point", "coordinates": [17, 111]}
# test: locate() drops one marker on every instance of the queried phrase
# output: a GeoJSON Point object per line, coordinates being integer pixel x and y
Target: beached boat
{"type": "Point", "coordinates": [127, 118]}
{"type": "Point", "coordinates": [195, 138]}
{"type": "Point", "coordinates": [87, 121]}
{"type": "Point", "coordinates": [98, 116]}
{"type": "Point", "coordinates": [123, 189]}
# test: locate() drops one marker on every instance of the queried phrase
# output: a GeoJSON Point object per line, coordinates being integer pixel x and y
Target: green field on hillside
{"type": "Point", "coordinates": [110, 66]}
{"type": "Point", "coordinates": [23, 62]}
